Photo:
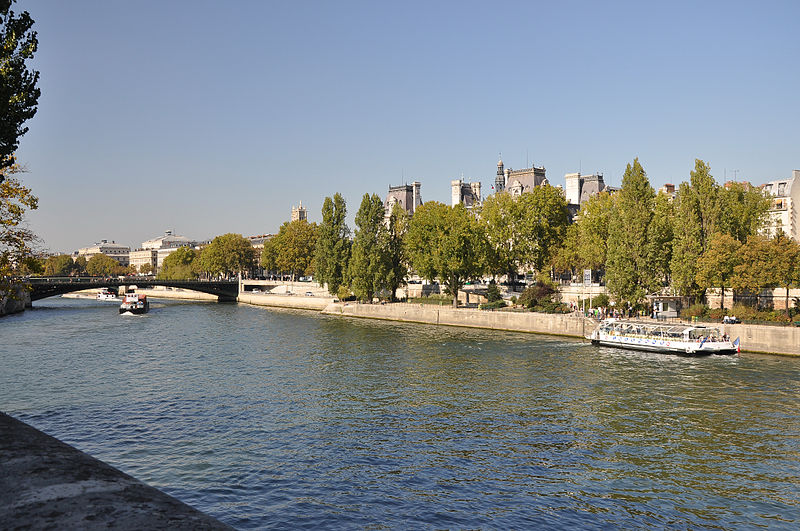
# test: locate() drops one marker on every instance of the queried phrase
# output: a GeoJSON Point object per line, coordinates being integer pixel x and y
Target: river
{"type": "Point", "coordinates": [268, 419]}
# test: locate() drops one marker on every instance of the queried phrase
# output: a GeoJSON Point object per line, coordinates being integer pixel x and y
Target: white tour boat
{"type": "Point", "coordinates": [134, 303]}
{"type": "Point", "coordinates": [682, 339]}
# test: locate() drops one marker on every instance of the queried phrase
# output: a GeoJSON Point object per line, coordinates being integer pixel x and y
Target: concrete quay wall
{"type": "Point", "coordinates": [47, 484]}
{"type": "Point", "coordinates": [297, 302]}
{"type": "Point", "coordinates": [766, 339]}
{"type": "Point", "coordinates": [539, 323]}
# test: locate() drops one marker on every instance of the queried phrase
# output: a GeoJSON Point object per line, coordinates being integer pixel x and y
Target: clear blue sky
{"type": "Point", "coordinates": [214, 117]}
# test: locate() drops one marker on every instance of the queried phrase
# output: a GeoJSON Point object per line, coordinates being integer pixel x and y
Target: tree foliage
{"type": "Point", "coordinates": [448, 244]}
{"type": "Point", "coordinates": [15, 237]}
{"type": "Point", "coordinates": [368, 264]}
{"type": "Point", "coordinates": [333, 244]}
{"type": "Point", "coordinates": [101, 265]}
{"type": "Point", "coordinates": [181, 264]}
{"type": "Point", "coordinates": [715, 268]}
{"type": "Point", "coordinates": [629, 274]}
{"type": "Point", "coordinates": [59, 265]}
{"type": "Point", "coordinates": [19, 94]}
{"type": "Point", "coordinates": [227, 255]}
{"type": "Point", "coordinates": [293, 247]}
{"type": "Point", "coordinates": [393, 247]}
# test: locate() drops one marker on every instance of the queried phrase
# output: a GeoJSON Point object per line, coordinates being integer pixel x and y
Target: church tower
{"type": "Point", "coordinates": [500, 180]}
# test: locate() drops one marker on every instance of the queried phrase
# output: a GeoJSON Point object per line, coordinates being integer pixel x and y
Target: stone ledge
{"type": "Point", "coordinates": [47, 484]}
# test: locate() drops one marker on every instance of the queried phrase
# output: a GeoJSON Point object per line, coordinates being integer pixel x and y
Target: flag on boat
{"type": "Point", "coordinates": [702, 342]}
{"type": "Point", "coordinates": [736, 344]}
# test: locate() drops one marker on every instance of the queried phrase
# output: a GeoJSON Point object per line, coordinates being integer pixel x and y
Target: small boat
{"type": "Point", "coordinates": [106, 294]}
{"type": "Point", "coordinates": [134, 303]}
{"type": "Point", "coordinates": [681, 339]}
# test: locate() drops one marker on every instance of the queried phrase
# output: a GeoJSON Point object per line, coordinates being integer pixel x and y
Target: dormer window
{"type": "Point", "coordinates": [782, 189]}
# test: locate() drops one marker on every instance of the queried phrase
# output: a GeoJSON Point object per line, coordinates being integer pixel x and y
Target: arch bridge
{"type": "Point", "coordinates": [41, 288]}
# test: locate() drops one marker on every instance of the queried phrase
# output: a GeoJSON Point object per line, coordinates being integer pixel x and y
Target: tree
{"type": "Point", "coordinates": [705, 193]}
{"type": "Point", "coordinates": [146, 268]}
{"type": "Point", "coordinates": [15, 238]}
{"type": "Point", "coordinates": [544, 224]}
{"type": "Point", "coordinates": [586, 241]}
{"type": "Point", "coordinates": [784, 263]}
{"type": "Point", "coordinates": [447, 243]}
{"type": "Point", "coordinates": [393, 246]}
{"type": "Point", "coordinates": [687, 244]}
{"type": "Point", "coordinates": [752, 272]}
{"type": "Point", "coordinates": [79, 267]}
{"type": "Point", "coordinates": [743, 210]}
{"type": "Point", "coordinates": [368, 265]}
{"type": "Point", "coordinates": [180, 264]}
{"type": "Point", "coordinates": [101, 265]}
{"type": "Point", "coordinates": [629, 274]}
{"type": "Point", "coordinates": [333, 244]}
{"type": "Point", "coordinates": [660, 235]}
{"type": "Point", "coordinates": [502, 217]}
{"type": "Point", "coordinates": [227, 255]}
{"type": "Point", "coordinates": [59, 265]}
{"type": "Point", "coordinates": [716, 266]}
{"type": "Point", "coordinates": [294, 247]}
{"type": "Point", "coordinates": [19, 95]}
{"type": "Point", "coordinates": [269, 256]}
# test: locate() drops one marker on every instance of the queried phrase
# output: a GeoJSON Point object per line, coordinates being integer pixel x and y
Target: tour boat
{"type": "Point", "coordinates": [681, 339]}
{"type": "Point", "coordinates": [106, 294]}
{"type": "Point", "coordinates": [134, 303]}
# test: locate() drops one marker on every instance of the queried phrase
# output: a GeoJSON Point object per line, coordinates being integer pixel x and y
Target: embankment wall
{"type": "Point", "coordinates": [15, 300]}
{"type": "Point", "coordinates": [298, 302]}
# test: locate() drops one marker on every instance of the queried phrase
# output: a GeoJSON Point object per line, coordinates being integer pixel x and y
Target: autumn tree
{"type": "Point", "coordinates": [59, 265]}
{"type": "Point", "coordinates": [716, 266]}
{"type": "Point", "coordinates": [227, 255]}
{"type": "Point", "coordinates": [15, 237]}
{"type": "Point", "coordinates": [181, 264]}
{"type": "Point", "coordinates": [294, 247]}
{"type": "Point", "coordinates": [333, 244]}
{"type": "Point", "coordinates": [752, 273]}
{"type": "Point", "coordinates": [448, 244]}
{"type": "Point", "coordinates": [784, 263]}
{"type": "Point", "coordinates": [101, 265]}
{"type": "Point", "coordinates": [368, 264]}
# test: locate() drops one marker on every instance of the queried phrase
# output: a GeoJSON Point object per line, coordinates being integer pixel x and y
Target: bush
{"type": "Point", "coordinates": [539, 297]}
{"type": "Point", "coordinates": [695, 310]}
{"type": "Point", "coordinates": [493, 293]}
{"type": "Point", "coordinates": [494, 305]}
{"type": "Point", "coordinates": [344, 294]}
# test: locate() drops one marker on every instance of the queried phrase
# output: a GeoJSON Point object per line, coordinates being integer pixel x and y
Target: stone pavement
{"type": "Point", "coordinates": [47, 484]}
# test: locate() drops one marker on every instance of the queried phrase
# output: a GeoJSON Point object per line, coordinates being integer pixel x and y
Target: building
{"type": "Point", "coordinates": [468, 194]}
{"type": "Point", "coordinates": [120, 253]}
{"type": "Point", "coordinates": [579, 188]}
{"type": "Point", "coordinates": [154, 251]}
{"type": "Point", "coordinates": [517, 182]}
{"type": "Point", "coordinates": [299, 213]}
{"type": "Point", "coordinates": [783, 215]}
{"type": "Point", "coordinates": [406, 195]}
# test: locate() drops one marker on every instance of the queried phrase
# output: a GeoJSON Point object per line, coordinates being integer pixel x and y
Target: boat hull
{"type": "Point", "coordinates": [663, 349]}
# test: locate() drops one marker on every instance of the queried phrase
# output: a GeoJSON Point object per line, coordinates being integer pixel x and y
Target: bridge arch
{"type": "Point", "coordinates": [41, 288]}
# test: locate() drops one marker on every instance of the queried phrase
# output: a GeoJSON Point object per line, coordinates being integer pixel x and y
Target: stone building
{"type": "Point", "coordinates": [120, 253]}
{"type": "Point", "coordinates": [517, 182]}
{"type": "Point", "coordinates": [299, 213]}
{"type": "Point", "coordinates": [406, 195]}
{"type": "Point", "coordinates": [783, 215]}
{"type": "Point", "coordinates": [155, 250]}
{"type": "Point", "coordinates": [469, 194]}
{"type": "Point", "coordinates": [579, 188]}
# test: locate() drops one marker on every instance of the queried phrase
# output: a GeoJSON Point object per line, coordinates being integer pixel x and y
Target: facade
{"type": "Point", "coordinates": [579, 188]}
{"type": "Point", "coordinates": [118, 252]}
{"type": "Point", "coordinates": [783, 215]}
{"type": "Point", "coordinates": [299, 213]}
{"type": "Point", "coordinates": [469, 194]}
{"type": "Point", "coordinates": [408, 196]}
{"type": "Point", "coordinates": [517, 182]}
{"type": "Point", "coordinates": [154, 251]}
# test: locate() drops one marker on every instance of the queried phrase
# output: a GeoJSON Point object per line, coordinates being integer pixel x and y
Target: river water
{"type": "Point", "coordinates": [275, 419]}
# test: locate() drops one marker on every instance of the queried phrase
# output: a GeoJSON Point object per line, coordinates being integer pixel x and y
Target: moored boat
{"type": "Point", "coordinates": [681, 339]}
{"type": "Point", "coordinates": [134, 303]}
{"type": "Point", "coordinates": [106, 294]}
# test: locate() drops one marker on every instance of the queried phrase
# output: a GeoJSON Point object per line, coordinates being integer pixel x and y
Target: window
{"type": "Point", "coordinates": [782, 189]}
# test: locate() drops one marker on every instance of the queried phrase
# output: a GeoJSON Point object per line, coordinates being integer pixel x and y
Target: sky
{"type": "Point", "coordinates": [214, 117]}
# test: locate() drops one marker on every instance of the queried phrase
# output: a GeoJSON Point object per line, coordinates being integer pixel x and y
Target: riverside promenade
{"type": "Point", "coordinates": [47, 484]}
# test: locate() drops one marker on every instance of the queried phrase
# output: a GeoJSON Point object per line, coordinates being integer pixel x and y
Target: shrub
{"type": "Point", "coordinates": [695, 310]}
{"type": "Point", "coordinates": [536, 295]}
{"type": "Point", "coordinates": [493, 292]}
{"type": "Point", "coordinates": [494, 305]}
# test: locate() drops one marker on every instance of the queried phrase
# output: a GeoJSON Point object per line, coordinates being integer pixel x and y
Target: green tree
{"type": "Point", "coordinates": [715, 268]}
{"type": "Point", "coordinates": [227, 255]}
{"type": "Point", "coordinates": [294, 247]}
{"type": "Point", "coordinates": [705, 193]}
{"type": "Point", "coordinates": [544, 224]}
{"type": "Point", "coordinates": [629, 274]}
{"type": "Point", "coordinates": [502, 219]}
{"type": "Point", "coordinates": [59, 265]}
{"type": "Point", "coordinates": [743, 210]}
{"type": "Point", "coordinates": [687, 244]}
{"type": "Point", "coordinates": [753, 273]}
{"type": "Point", "coordinates": [269, 256]}
{"type": "Point", "coordinates": [586, 241]}
{"type": "Point", "coordinates": [79, 267]}
{"type": "Point", "coordinates": [19, 94]}
{"type": "Point", "coordinates": [394, 251]}
{"type": "Point", "coordinates": [146, 268]}
{"type": "Point", "coordinates": [447, 243]}
{"type": "Point", "coordinates": [180, 264]}
{"type": "Point", "coordinates": [333, 244]}
{"type": "Point", "coordinates": [101, 265]}
{"type": "Point", "coordinates": [368, 264]}
{"type": "Point", "coordinates": [659, 239]}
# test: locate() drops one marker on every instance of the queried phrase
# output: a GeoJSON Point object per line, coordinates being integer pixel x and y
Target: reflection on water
{"type": "Point", "coordinates": [274, 419]}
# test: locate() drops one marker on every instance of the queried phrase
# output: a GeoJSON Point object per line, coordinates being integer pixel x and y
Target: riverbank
{"type": "Point", "coordinates": [297, 302]}
{"type": "Point", "coordinates": [14, 301]}
{"type": "Point", "coordinates": [764, 339]}
{"type": "Point", "coordinates": [49, 484]}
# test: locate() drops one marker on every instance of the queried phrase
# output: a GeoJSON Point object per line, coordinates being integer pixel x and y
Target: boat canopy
{"type": "Point", "coordinates": [674, 331]}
